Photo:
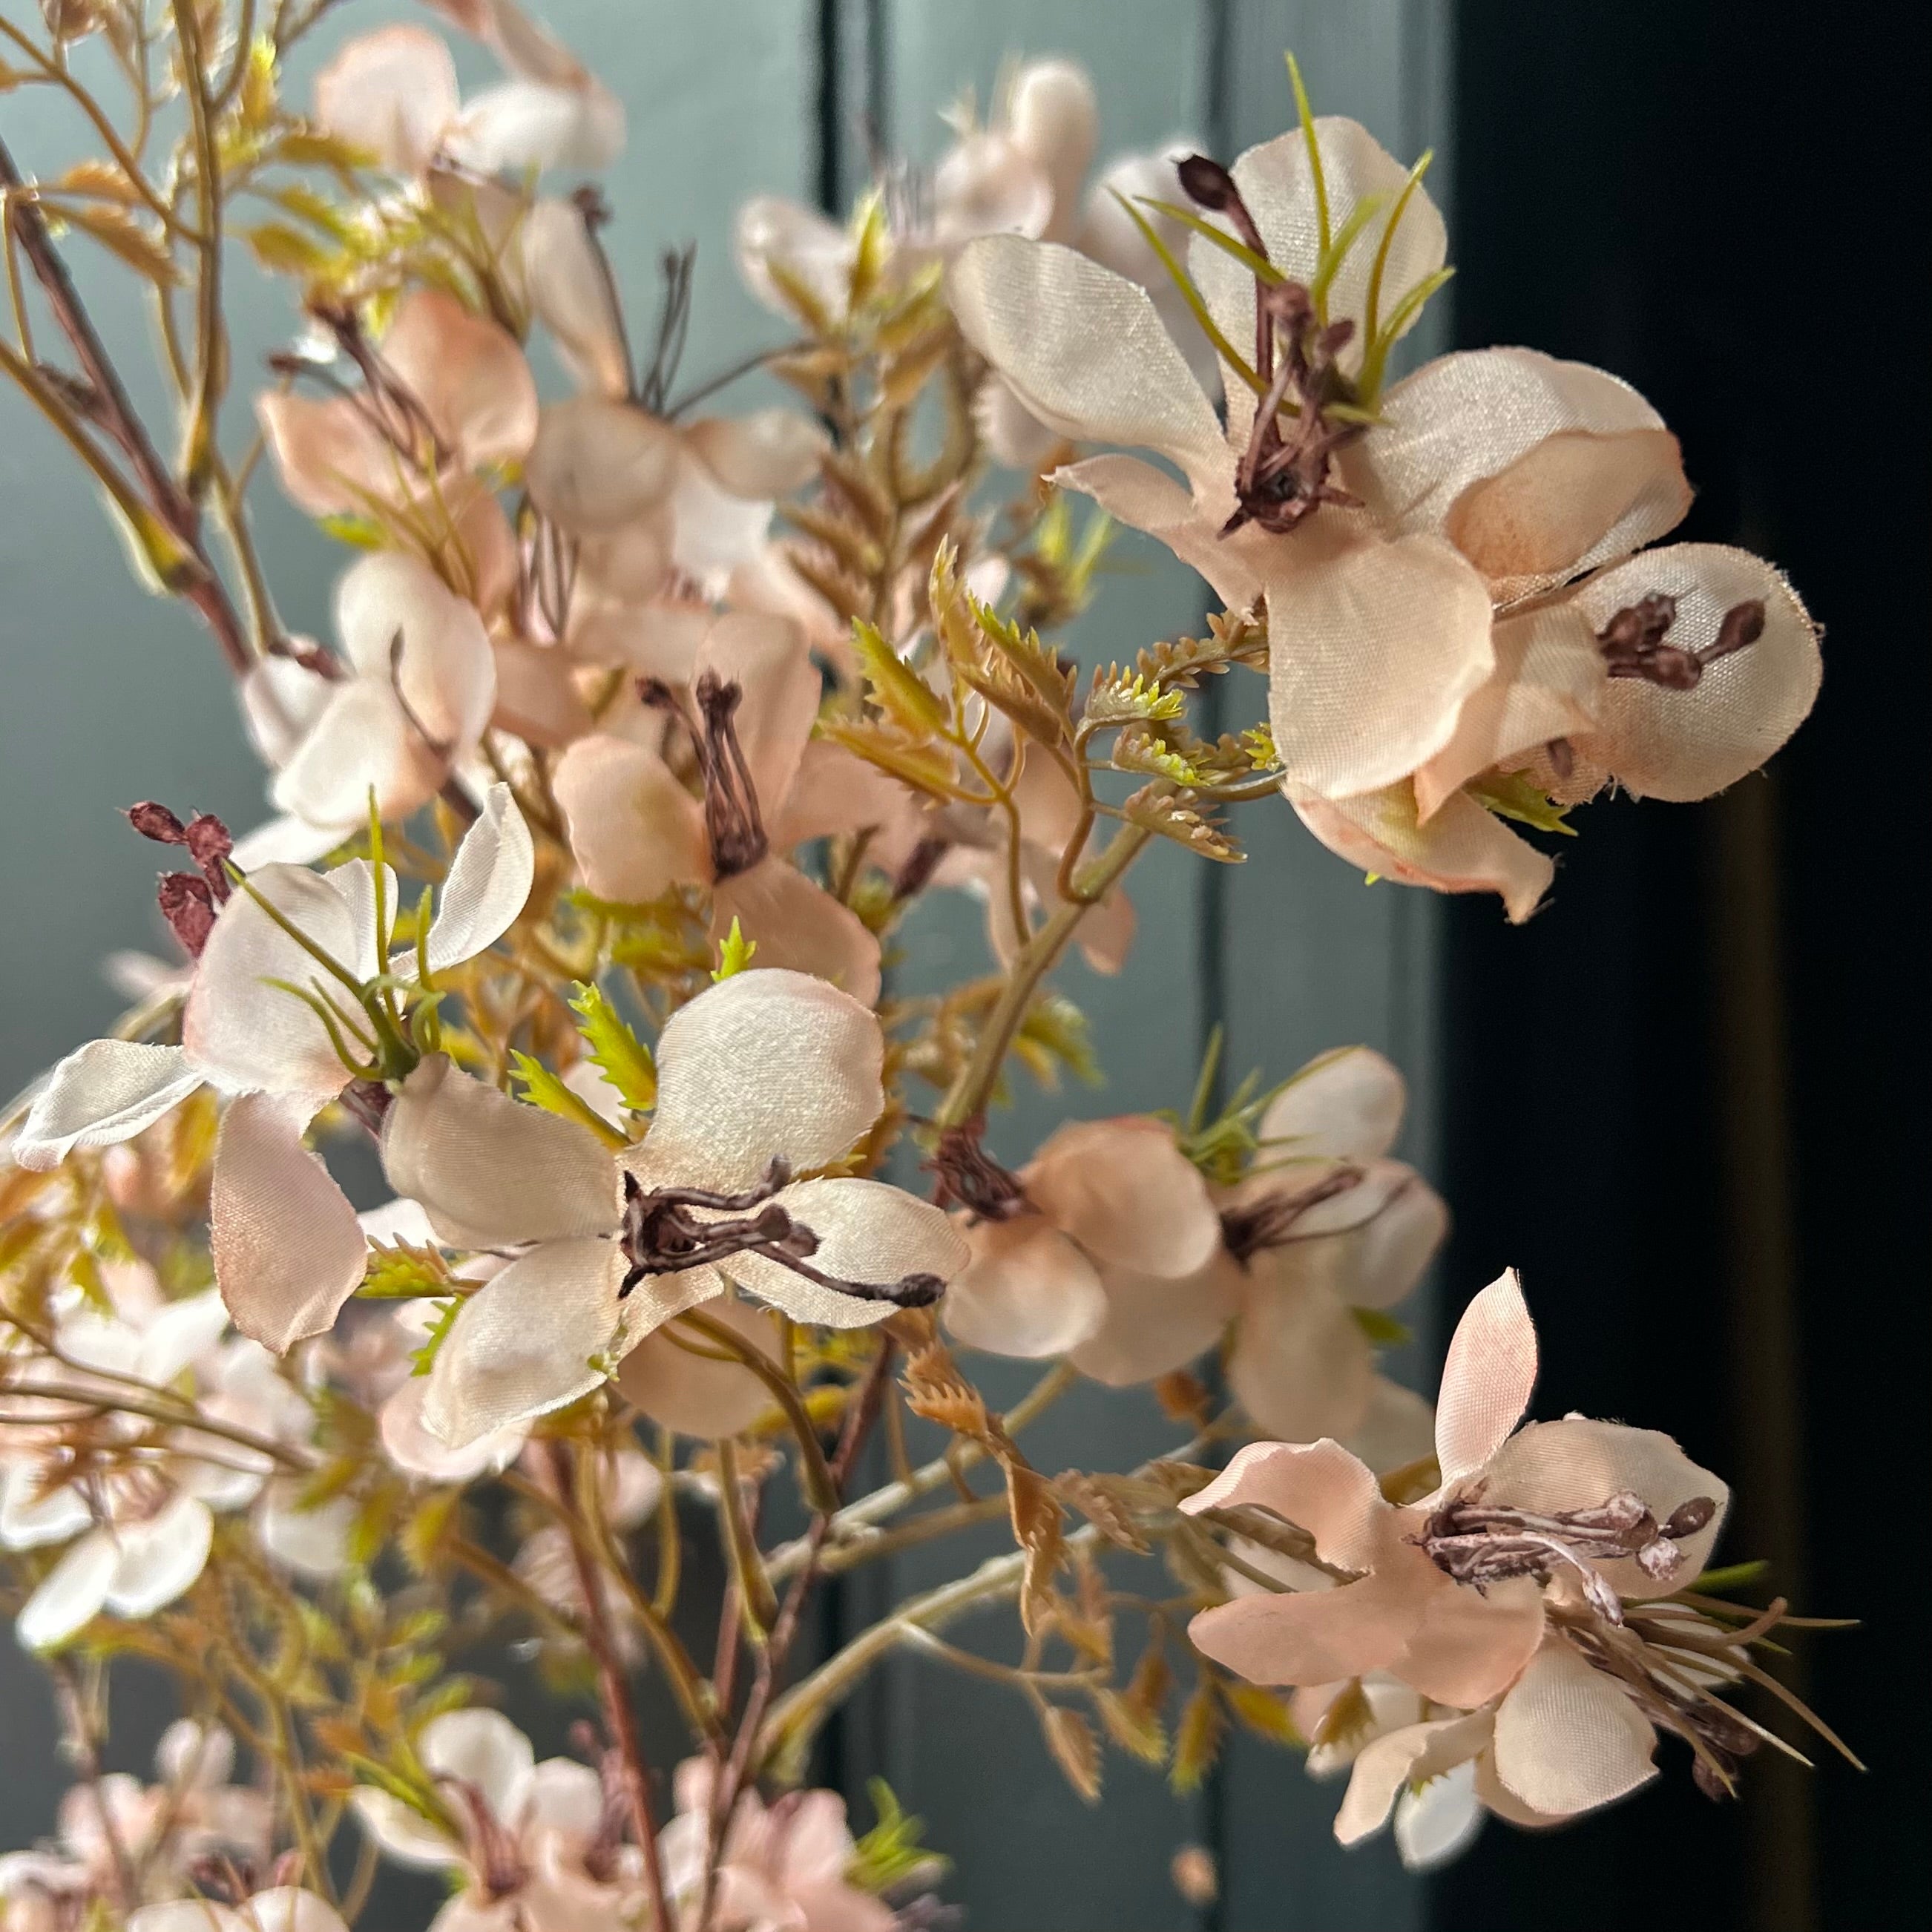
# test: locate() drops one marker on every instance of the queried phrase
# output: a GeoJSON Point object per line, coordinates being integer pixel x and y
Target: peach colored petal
{"type": "Point", "coordinates": [390, 93]}
{"type": "Point", "coordinates": [1578, 1464]}
{"type": "Point", "coordinates": [1317, 1485]}
{"type": "Point", "coordinates": [288, 1250]}
{"type": "Point", "coordinates": [984, 185]}
{"type": "Point", "coordinates": [1027, 1292]}
{"type": "Point", "coordinates": [797, 923]}
{"type": "Point", "coordinates": [1487, 1376]}
{"type": "Point", "coordinates": [1548, 683]}
{"type": "Point", "coordinates": [770, 453]}
{"type": "Point", "coordinates": [867, 1233]}
{"type": "Point", "coordinates": [1568, 1739]}
{"type": "Point", "coordinates": [408, 1443]}
{"type": "Point", "coordinates": [490, 1171]}
{"type": "Point", "coordinates": [1053, 117]}
{"type": "Point", "coordinates": [468, 374]}
{"type": "Point", "coordinates": [1310, 1637]}
{"type": "Point", "coordinates": [103, 1092]}
{"type": "Point", "coordinates": [596, 465]}
{"type": "Point", "coordinates": [693, 1394]}
{"type": "Point", "coordinates": [537, 698]}
{"type": "Point", "coordinates": [634, 830]}
{"type": "Point", "coordinates": [521, 1345]}
{"type": "Point", "coordinates": [836, 791]}
{"type": "Point", "coordinates": [772, 237]}
{"type": "Point", "coordinates": [362, 743]}
{"type": "Point", "coordinates": [1126, 1193]}
{"type": "Point", "coordinates": [766, 1064]}
{"type": "Point", "coordinates": [1471, 1644]}
{"type": "Point", "coordinates": [329, 455]}
{"type": "Point", "coordinates": [1393, 1763]}
{"type": "Point", "coordinates": [1136, 494]}
{"type": "Point", "coordinates": [1684, 745]}
{"type": "Point", "coordinates": [1156, 1323]}
{"type": "Point", "coordinates": [1299, 1365]}
{"type": "Point", "coordinates": [1373, 647]}
{"type": "Point", "coordinates": [1348, 1103]}
{"type": "Point", "coordinates": [572, 297]}
{"type": "Point", "coordinates": [1399, 1430]}
{"type": "Point", "coordinates": [1085, 351]}
{"type": "Point", "coordinates": [1462, 848]}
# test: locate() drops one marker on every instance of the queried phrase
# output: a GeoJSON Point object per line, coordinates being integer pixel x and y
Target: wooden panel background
{"type": "Point", "coordinates": [1290, 952]}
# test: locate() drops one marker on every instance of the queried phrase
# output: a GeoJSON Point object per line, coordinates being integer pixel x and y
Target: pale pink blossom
{"type": "Point", "coordinates": [782, 1867]}
{"type": "Point", "coordinates": [280, 1908]}
{"type": "Point", "coordinates": [1468, 1596]}
{"type": "Point", "coordinates": [767, 1074]}
{"type": "Point", "coordinates": [765, 788]}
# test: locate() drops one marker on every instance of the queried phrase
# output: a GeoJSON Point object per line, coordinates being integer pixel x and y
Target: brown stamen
{"type": "Point", "coordinates": [734, 826]}
{"type": "Point", "coordinates": [969, 1177]}
{"type": "Point", "coordinates": [1270, 1222]}
{"type": "Point", "coordinates": [1632, 641]}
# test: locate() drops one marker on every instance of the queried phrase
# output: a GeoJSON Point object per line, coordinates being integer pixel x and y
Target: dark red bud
{"type": "Point", "coordinates": [188, 907]}
{"type": "Point", "coordinates": [1208, 185]}
{"type": "Point", "coordinates": [1689, 1518]}
{"type": "Point", "coordinates": [209, 843]}
{"type": "Point", "coordinates": [158, 822]}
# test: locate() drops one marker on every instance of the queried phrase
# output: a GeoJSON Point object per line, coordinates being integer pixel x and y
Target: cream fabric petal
{"type": "Point", "coordinates": [362, 743]}
{"type": "Point", "coordinates": [770, 232]}
{"type": "Point", "coordinates": [571, 296]}
{"type": "Point", "coordinates": [770, 453]}
{"type": "Point", "coordinates": [767, 659]}
{"type": "Point", "coordinates": [1399, 1430]}
{"type": "Point", "coordinates": [1373, 647]}
{"type": "Point", "coordinates": [1309, 1637]}
{"type": "Point", "coordinates": [1124, 1191]}
{"type": "Point", "coordinates": [402, 1832]}
{"type": "Point", "coordinates": [715, 533]}
{"type": "Point", "coordinates": [596, 465]}
{"type": "Point", "coordinates": [445, 672]}
{"type": "Point", "coordinates": [525, 123]}
{"type": "Point", "coordinates": [408, 1443]}
{"type": "Point", "coordinates": [688, 1392]}
{"type": "Point", "coordinates": [521, 1345]}
{"type": "Point", "coordinates": [481, 1747]}
{"type": "Point", "coordinates": [281, 700]}
{"type": "Point", "coordinates": [537, 698]}
{"type": "Point", "coordinates": [391, 93]}
{"type": "Point", "coordinates": [312, 1542]}
{"type": "Point", "coordinates": [1135, 493]}
{"type": "Point", "coordinates": [244, 1034]}
{"type": "Point", "coordinates": [187, 1915]}
{"type": "Point", "coordinates": [1319, 1487]}
{"type": "Point", "coordinates": [797, 923]}
{"type": "Point", "coordinates": [103, 1092]}
{"type": "Point", "coordinates": [1568, 1739]}
{"type": "Point", "coordinates": [1387, 1767]}
{"type": "Point", "coordinates": [868, 1232]}
{"type": "Point", "coordinates": [1684, 745]}
{"type": "Point", "coordinates": [1348, 1103]}
{"type": "Point", "coordinates": [1027, 1291]}
{"type": "Point", "coordinates": [287, 1908]}
{"type": "Point", "coordinates": [1300, 1365]}
{"type": "Point", "coordinates": [487, 884]}
{"type": "Point", "coordinates": [288, 1250]}
{"type": "Point", "coordinates": [1487, 1376]}
{"type": "Point", "coordinates": [1578, 1464]}
{"type": "Point", "coordinates": [286, 842]}
{"type": "Point", "coordinates": [1156, 1323]}
{"type": "Point", "coordinates": [158, 1560]}
{"type": "Point", "coordinates": [1388, 1229]}
{"type": "Point", "coordinates": [634, 830]}
{"type": "Point", "coordinates": [1471, 1644]}
{"type": "Point", "coordinates": [1549, 682]}
{"type": "Point", "coordinates": [1053, 117]}
{"type": "Point", "coordinates": [70, 1594]}
{"type": "Point", "coordinates": [559, 1795]}
{"type": "Point", "coordinates": [468, 374]}
{"type": "Point", "coordinates": [1462, 849]}
{"type": "Point", "coordinates": [491, 1171]}
{"type": "Point", "coordinates": [1436, 1825]}
{"type": "Point", "coordinates": [328, 455]}
{"type": "Point", "coordinates": [1086, 352]}
{"type": "Point", "coordinates": [767, 1063]}
{"type": "Point", "coordinates": [1535, 469]}
{"type": "Point", "coordinates": [984, 185]}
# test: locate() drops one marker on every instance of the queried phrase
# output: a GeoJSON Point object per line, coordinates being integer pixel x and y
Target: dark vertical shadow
{"type": "Point", "coordinates": [1688, 1100]}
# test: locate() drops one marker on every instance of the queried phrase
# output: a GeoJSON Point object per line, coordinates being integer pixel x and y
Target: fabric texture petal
{"type": "Point", "coordinates": [1568, 1739]}
{"type": "Point", "coordinates": [488, 882]}
{"type": "Point", "coordinates": [1027, 1291]}
{"type": "Point", "coordinates": [1487, 1376]}
{"type": "Point", "coordinates": [693, 1394]}
{"type": "Point", "coordinates": [102, 1094]}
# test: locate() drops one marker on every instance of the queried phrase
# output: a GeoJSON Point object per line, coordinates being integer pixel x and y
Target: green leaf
{"type": "Point", "coordinates": [1510, 795]}
{"type": "Point", "coordinates": [1383, 1331]}
{"type": "Point", "coordinates": [542, 1088]}
{"type": "Point", "coordinates": [359, 532]}
{"type": "Point", "coordinates": [895, 688]}
{"type": "Point", "coordinates": [734, 953]}
{"type": "Point", "coordinates": [402, 1272]}
{"type": "Point", "coordinates": [288, 251]}
{"type": "Point", "coordinates": [1730, 1576]}
{"type": "Point", "coordinates": [626, 1061]}
{"type": "Point", "coordinates": [890, 1853]}
{"type": "Point", "coordinates": [423, 1359]}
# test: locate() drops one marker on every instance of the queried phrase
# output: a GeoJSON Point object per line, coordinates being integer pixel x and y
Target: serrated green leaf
{"type": "Point", "coordinates": [542, 1088]}
{"type": "Point", "coordinates": [625, 1059]}
{"type": "Point", "coordinates": [403, 1271]}
{"type": "Point", "coordinates": [895, 688]}
{"type": "Point", "coordinates": [423, 1359]}
{"type": "Point", "coordinates": [734, 953]}
{"type": "Point", "coordinates": [1510, 795]}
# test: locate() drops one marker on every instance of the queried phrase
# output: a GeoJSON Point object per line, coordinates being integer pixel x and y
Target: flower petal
{"type": "Point", "coordinates": [408, 1445]}
{"type": "Point", "coordinates": [1086, 352]}
{"type": "Point", "coordinates": [288, 1250]}
{"type": "Point", "coordinates": [1027, 1292]}
{"type": "Point", "coordinates": [634, 830]}
{"type": "Point", "coordinates": [1436, 1824]}
{"type": "Point", "coordinates": [1310, 1637]}
{"type": "Point", "coordinates": [491, 1171]}
{"type": "Point", "coordinates": [1462, 848]}
{"type": "Point", "coordinates": [767, 659]}
{"type": "Point", "coordinates": [488, 882]}
{"type": "Point", "coordinates": [776, 240]}
{"type": "Point", "coordinates": [1578, 1464]}
{"type": "Point", "coordinates": [158, 1560]}
{"type": "Point", "coordinates": [329, 455]}
{"type": "Point", "coordinates": [524, 124]}
{"type": "Point", "coordinates": [312, 1543]}
{"type": "Point", "coordinates": [468, 374]}
{"type": "Point", "coordinates": [102, 1094]}
{"type": "Point", "coordinates": [770, 453]}
{"type": "Point", "coordinates": [1391, 1765]}
{"type": "Point", "coordinates": [442, 671]}
{"type": "Point", "coordinates": [1300, 1365]}
{"type": "Point", "coordinates": [1487, 1376]}
{"type": "Point", "coordinates": [1686, 744]}
{"type": "Point", "coordinates": [571, 295]}
{"type": "Point", "coordinates": [1568, 1739]}
{"type": "Point", "coordinates": [479, 1747]}
{"type": "Point", "coordinates": [522, 1345]}
{"type": "Point", "coordinates": [596, 465]}
{"type": "Point", "coordinates": [401, 1831]}
{"type": "Point", "coordinates": [391, 93]}
{"type": "Point", "coordinates": [282, 1908]}
{"type": "Point", "coordinates": [361, 743]}
{"type": "Point", "coordinates": [1319, 1487]}
{"type": "Point", "coordinates": [1134, 493]}
{"type": "Point", "coordinates": [766, 1064]}
{"type": "Point", "coordinates": [1156, 1323]}
{"type": "Point", "coordinates": [1471, 1644]}
{"type": "Point", "coordinates": [868, 1232]}
{"type": "Point", "coordinates": [1374, 647]}
{"type": "Point", "coordinates": [70, 1594]}
{"type": "Point", "coordinates": [1398, 1430]}
{"type": "Point", "coordinates": [682, 1390]}
{"type": "Point", "coordinates": [1122, 1189]}
{"type": "Point", "coordinates": [795, 922]}
{"type": "Point", "coordinates": [1348, 1103]}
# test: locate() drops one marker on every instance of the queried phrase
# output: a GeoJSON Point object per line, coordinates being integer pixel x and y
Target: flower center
{"type": "Point", "coordinates": [969, 1177]}
{"type": "Point", "coordinates": [1283, 476]}
{"type": "Point", "coordinates": [662, 1234]}
{"type": "Point", "coordinates": [1480, 1542]}
{"type": "Point", "coordinates": [1271, 1222]}
{"type": "Point", "coordinates": [734, 826]}
{"type": "Point", "coordinates": [1632, 641]}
